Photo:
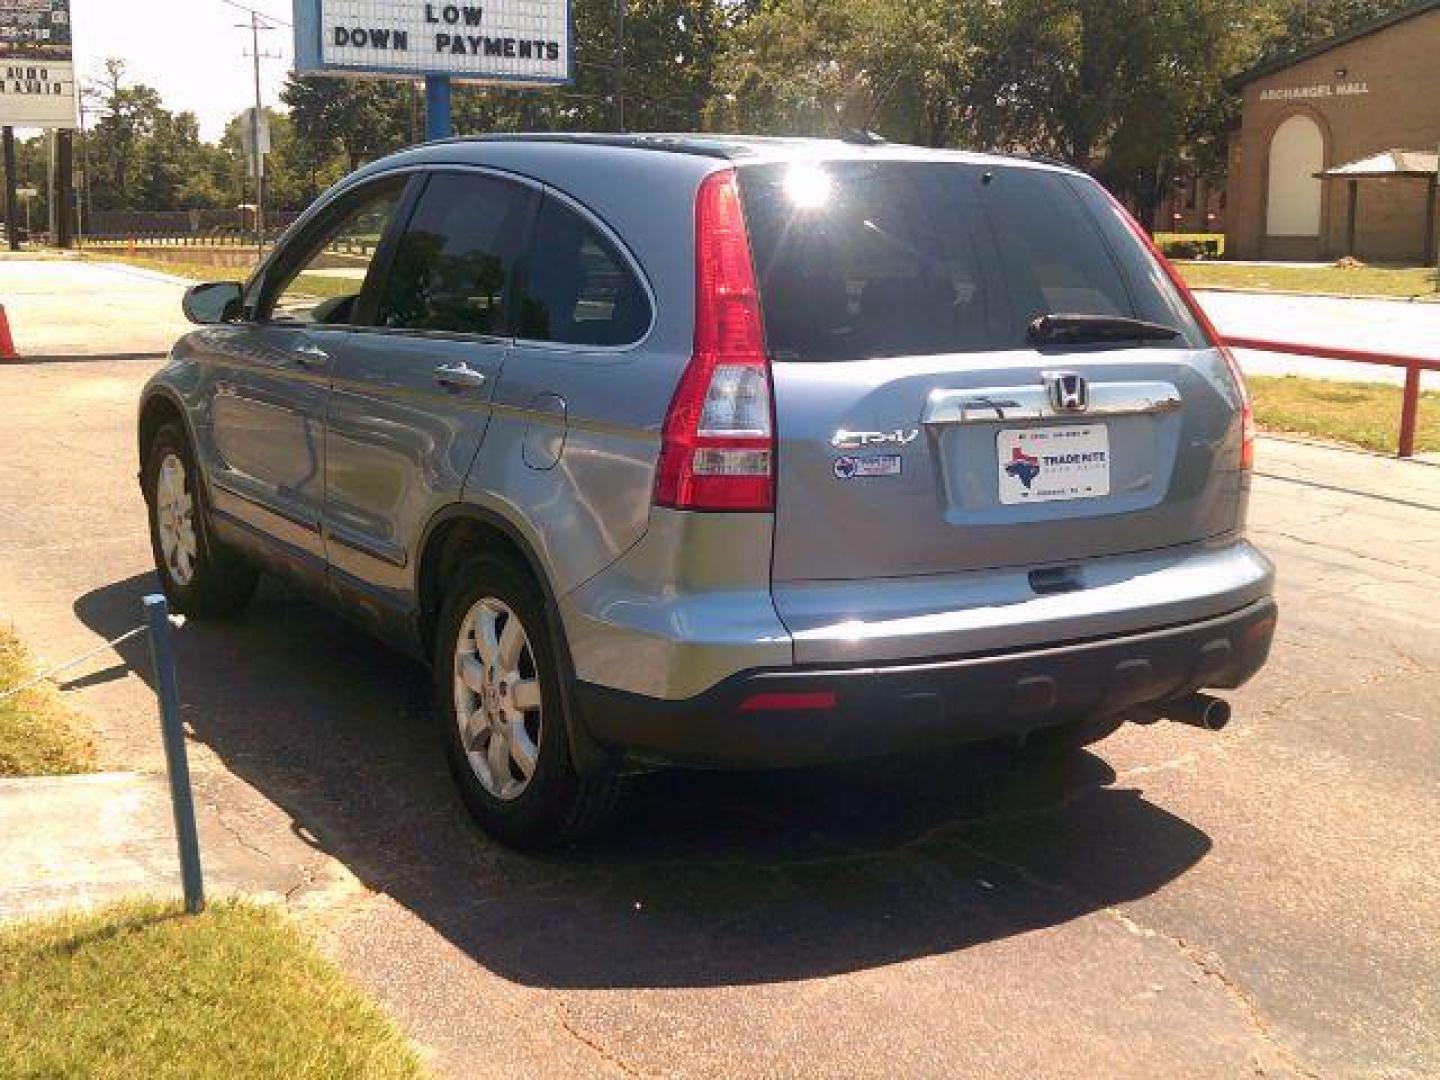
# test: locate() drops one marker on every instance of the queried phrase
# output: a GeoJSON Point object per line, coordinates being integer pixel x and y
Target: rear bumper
{"type": "Point", "coordinates": [860, 711]}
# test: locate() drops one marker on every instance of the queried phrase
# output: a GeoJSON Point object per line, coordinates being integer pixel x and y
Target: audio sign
{"type": "Point", "coordinates": [37, 69]}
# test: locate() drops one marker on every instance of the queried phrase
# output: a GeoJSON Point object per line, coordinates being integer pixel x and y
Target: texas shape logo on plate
{"type": "Point", "coordinates": [1024, 467]}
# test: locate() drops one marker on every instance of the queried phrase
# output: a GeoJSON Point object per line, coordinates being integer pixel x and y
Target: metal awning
{"type": "Point", "coordinates": [1392, 164]}
{"type": "Point", "coordinates": [1419, 163]}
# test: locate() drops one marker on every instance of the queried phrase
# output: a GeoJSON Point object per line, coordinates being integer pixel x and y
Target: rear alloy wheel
{"type": "Point", "coordinates": [499, 689]}
{"type": "Point", "coordinates": [201, 577]}
{"type": "Point", "coordinates": [499, 706]}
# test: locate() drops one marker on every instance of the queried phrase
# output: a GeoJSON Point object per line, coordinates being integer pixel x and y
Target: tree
{"type": "Point", "coordinates": [796, 67]}
{"type": "Point", "coordinates": [672, 48]}
{"type": "Point", "coordinates": [141, 155]}
{"type": "Point", "coordinates": [1284, 27]}
{"type": "Point", "coordinates": [127, 116]}
{"type": "Point", "coordinates": [363, 118]}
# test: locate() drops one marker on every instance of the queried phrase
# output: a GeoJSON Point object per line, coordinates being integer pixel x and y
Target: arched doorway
{"type": "Point", "coordinates": [1297, 153]}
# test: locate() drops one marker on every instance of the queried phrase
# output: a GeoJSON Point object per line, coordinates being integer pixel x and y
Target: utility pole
{"type": "Point", "coordinates": [256, 149]}
{"type": "Point", "coordinates": [620, 66]}
{"type": "Point", "coordinates": [12, 227]}
{"type": "Point", "coordinates": [62, 188]}
{"type": "Point", "coordinates": [84, 208]}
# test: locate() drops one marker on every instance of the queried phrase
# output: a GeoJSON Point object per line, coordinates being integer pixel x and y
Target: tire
{"type": "Point", "coordinates": [511, 756]}
{"type": "Point", "coordinates": [202, 579]}
{"type": "Point", "coordinates": [1070, 737]}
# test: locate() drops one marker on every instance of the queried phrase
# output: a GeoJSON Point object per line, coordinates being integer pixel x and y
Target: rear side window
{"type": "Point", "coordinates": [453, 265]}
{"type": "Point", "coordinates": [874, 259]}
{"type": "Point", "coordinates": [578, 290]}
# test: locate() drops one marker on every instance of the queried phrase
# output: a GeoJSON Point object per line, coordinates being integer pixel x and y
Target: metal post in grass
{"type": "Point", "coordinates": [1409, 407]}
{"type": "Point", "coordinates": [177, 766]}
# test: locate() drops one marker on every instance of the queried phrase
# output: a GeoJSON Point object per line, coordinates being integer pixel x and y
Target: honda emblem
{"type": "Point", "coordinates": [1068, 391]}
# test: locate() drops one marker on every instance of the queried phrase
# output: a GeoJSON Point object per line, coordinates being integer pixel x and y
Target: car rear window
{"type": "Point", "coordinates": [899, 258]}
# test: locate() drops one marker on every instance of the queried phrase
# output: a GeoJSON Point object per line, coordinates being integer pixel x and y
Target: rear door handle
{"type": "Point", "coordinates": [459, 376]}
{"type": "Point", "coordinates": [311, 355]}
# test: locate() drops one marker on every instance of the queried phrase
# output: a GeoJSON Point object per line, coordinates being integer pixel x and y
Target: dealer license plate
{"type": "Point", "coordinates": [1047, 464]}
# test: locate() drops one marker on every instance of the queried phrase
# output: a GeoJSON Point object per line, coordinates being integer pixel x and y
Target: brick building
{"type": "Point", "coordinates": [1337, 147]}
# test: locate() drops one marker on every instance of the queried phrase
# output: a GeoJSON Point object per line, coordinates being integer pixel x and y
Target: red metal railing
{"type": "Point", "coordinates": [1413, 366]}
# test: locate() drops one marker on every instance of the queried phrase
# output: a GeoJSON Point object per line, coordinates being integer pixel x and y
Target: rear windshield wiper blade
{"type": "Point", "coordinates": [1077, 329]}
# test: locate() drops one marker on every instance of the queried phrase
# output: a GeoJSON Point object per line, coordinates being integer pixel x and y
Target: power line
{"type": "Point", "coordinates": [256, 12]}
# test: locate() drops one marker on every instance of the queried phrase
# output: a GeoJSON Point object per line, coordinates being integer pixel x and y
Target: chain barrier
{"type": "Point", "coordinates": [158, 624]}
{"type": "Point", "coordinates": [76, 661]}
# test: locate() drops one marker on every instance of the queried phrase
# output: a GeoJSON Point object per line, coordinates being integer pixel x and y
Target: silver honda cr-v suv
{"type": "Point", "coordinates": [719, 451]}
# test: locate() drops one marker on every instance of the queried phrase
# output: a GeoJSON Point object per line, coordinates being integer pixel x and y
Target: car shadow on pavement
{"type": "Point", "coordinates": [709, 878]}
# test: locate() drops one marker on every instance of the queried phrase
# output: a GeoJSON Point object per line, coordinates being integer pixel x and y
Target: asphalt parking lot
{"type": "Point", "coordinates": [1266, 900]}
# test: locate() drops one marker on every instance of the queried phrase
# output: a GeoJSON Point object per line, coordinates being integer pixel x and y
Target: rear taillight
{"type": "Point", "coordinates": [718, 444]}
{"type": "Point", "coordinates": [1247, 410]}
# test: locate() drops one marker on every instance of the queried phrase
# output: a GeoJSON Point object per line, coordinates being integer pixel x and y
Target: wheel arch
{"type": "Point", "coordinates": [453, 535]}
{"type": "Point", "coordinates": [158, 408]}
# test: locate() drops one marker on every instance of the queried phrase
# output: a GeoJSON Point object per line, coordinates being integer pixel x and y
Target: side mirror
{"type": "Point", "coordinates": [213, 303]}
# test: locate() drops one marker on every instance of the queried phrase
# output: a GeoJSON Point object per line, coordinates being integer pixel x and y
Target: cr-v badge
{"type": "Point", "coordinates": [857, 440]}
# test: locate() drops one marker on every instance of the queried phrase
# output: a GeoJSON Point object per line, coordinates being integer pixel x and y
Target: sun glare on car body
{"type": "Point", "coordinates": [808, 187]}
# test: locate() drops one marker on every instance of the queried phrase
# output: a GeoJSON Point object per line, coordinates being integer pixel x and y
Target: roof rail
{"type": "Point", "coordinates": [1042, 159]}
{"type": "Point", "coordinates": [675, 144]}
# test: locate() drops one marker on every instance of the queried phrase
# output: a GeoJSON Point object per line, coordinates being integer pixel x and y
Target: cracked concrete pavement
{"type": "Point", "coordinates": [1262, 901]}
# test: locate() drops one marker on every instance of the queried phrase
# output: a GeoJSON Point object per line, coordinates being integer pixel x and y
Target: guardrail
{"type": "Point", "coordinates": [1413, 365]}
{"type": "Point", "coordinates": [216, 240]}
{"type": "Point", "coordinates": [202, 240]}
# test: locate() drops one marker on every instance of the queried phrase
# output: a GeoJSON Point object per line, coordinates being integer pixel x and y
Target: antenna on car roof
{"type": "Point", "coordinates": [861, 137]}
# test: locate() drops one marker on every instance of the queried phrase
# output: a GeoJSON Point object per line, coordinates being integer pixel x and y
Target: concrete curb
{"type": "Point", "coordinates": [69, 358]}
{"type": "Point", "coordinates": [1428, 460]}
{"type": "Point", "coordinates": [1417, 299]}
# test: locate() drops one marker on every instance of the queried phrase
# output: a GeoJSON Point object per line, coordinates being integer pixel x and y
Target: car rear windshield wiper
{"type": "Point", "coordinates": [1077, 329]}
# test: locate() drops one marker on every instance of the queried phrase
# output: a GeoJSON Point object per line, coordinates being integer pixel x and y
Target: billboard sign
{"type": "Point", "coordinates": [525, 42]}
{"type": "Point", "coordinates": [37, 67]}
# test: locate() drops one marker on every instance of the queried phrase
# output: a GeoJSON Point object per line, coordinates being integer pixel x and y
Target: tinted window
{"type": "Point", "coordinates": [321, 281]}
{"type": "Point", "coordinates": [578, 289]}
{"type": "Point", "coordinates": [859, 259]}
{"type": "Point", "coordinates": [452, 266]}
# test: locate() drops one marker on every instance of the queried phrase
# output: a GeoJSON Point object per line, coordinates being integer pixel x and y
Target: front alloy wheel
{"type": "Point", "coordinates": [175, 519]}
{"type": "Point", "coordinates": [201, 576]}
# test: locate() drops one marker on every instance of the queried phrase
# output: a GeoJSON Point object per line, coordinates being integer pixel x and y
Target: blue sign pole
{"type": "Point", "coordinates": [437, 107]}
{"type": "Point", "coordinates": [177, 766]}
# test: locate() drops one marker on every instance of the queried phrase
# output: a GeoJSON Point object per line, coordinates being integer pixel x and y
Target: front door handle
{"type": "Point", "coordinates": [311, 355]}
{"type": "Point", "coordinates": [459, 376]}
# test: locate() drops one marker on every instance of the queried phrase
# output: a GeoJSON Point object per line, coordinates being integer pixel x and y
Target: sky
{"type": "Point", "coordinates": [189, 50]}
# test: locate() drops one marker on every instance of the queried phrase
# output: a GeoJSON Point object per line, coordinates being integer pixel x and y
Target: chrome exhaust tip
{"type": "Point", "coordinates": [1198, 710]}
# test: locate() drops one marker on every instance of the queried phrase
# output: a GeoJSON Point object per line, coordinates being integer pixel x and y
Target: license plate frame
{"type": "Point", "coordinates": [1066, 463]}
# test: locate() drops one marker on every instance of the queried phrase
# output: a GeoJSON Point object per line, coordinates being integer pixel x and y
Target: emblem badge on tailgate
{"type": "Point", "coordinates": [858, 440]}
{"type": "Point", "coordinates": [1067, 391]}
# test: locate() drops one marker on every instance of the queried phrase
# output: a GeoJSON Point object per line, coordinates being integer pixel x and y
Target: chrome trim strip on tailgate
{"type": "Point", "coordinates": [988, 405]}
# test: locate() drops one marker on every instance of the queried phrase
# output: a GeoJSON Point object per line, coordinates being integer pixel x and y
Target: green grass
{"type": "Point", "coordinates": [1357, 281]}
{"type": "Point", "coordinates": [203, 271]}
{"type": "Point", "coordinates": [39, 736]}
{"type": "Point", "coordinates": [1362, 414]}
{"type": "Point", "coordinates": [140, 990]}
{"type": "Point", "coordinates": [310, 284]}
